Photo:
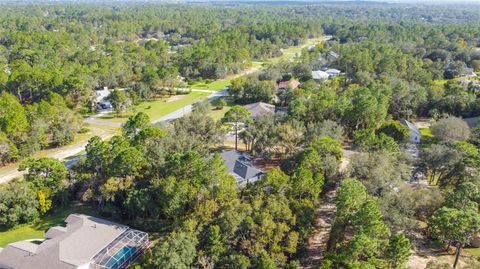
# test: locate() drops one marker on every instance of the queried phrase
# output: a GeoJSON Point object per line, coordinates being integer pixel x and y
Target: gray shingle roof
{"type": "Point", "coordinates": [240, 166]}
{"type": "Point", "coordinates": [65, 247]}
{"type": "Point", "coordinates": [260, 109]}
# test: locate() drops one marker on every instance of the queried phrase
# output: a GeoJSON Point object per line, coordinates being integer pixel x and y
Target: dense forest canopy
{"type": "Point", "coordinates": [394, 61]}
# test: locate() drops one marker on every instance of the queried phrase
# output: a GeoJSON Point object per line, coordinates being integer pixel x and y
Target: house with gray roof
{"type": "Point", "coordinates": [332, 73]}
{"type": "Point", "coordinates": [84, 243]}
{"type": "Point", "coordinates": [241, 167]}
{"type": "Point", "coordinates": [320, 75]}
{"type": "Point", "coordinates": [415, 134]}
{"type": "Point", "coordinates": [260, 109]}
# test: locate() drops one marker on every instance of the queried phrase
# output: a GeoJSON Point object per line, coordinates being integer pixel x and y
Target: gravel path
{"type": "Point", "coordinates": [320, 235]}
{"type": "Point", "coordinates": [324, 214]}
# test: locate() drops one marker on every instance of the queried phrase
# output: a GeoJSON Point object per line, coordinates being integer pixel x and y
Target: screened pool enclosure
{"type": "Point", "coordinates": [121, 251]}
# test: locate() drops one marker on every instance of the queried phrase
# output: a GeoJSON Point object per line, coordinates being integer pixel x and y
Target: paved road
{"type": "Point", "coordinates": [187, 109]}
{"type": "Point", "coordinates": [11, 172]}
{"type": "Point", "coordinates": [7, 174]}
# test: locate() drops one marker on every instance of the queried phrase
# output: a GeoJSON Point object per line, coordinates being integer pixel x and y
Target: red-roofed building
{"type": "Point", "coordinates": [290, 84]}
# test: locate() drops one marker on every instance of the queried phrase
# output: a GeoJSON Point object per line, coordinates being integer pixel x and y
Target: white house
{"type": "Point", "coordinates": [100, 95]}
{"type": "Point", "coordinates": [415, 135]}
{"type": "Point", "coordinates": [333, 73]}
{"type": "Point", "coordinates": [320, 75]}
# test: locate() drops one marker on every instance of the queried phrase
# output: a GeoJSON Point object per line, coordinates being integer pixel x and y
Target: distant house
{"type": "Point", "coordinates": [290, 84]}
{"type": "Point", "coordinates": [469, 72]}
{"type": "Point", "coordinates": [85, 243]}
{"type": "Point", "coordinates": [260, 109]}
{"type": "Point", "coordinates": [101, 94]}
{"type": "Point", "coordinates": [471, 85]}
{"type": "Point", "coordinates": [241, 167]}
{"type": "Point", "coordinates": [333, 73]}
{"type": "Point", "coordinates": [320, 75]}
{"type": "Point", "coordinates": [415, 134]}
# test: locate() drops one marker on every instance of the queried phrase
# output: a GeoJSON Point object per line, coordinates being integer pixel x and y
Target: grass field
{"type": "Point", "coordinates": [158, 108]}
{"type": "Point", "coordinates": [37, 229]}
{"type": "Point", "coordinates": [291, 52]}
{"type": "Point", "coordinates": [213, 86]}
{"type": "Point", "coordinates": [217, 114]}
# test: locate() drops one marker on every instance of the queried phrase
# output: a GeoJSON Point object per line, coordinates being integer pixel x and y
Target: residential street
{"type": "Point", "coordinates": [10, 172]}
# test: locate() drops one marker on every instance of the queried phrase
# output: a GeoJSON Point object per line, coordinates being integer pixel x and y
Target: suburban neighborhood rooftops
{"type": "Point", "coordinates": [72, 246]}
{"type": "Point", "coordinates": [240, 166]}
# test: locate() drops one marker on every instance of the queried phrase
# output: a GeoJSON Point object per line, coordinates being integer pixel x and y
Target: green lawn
{"type": "Point", "coordinates": [38, 228]}
{"type": "Point", "coordinates": [294, 51]}
{"type": "Point", "coordinates": [475, 252]}
{"type": "Point", "coordinates": [217, 114]}
{"type": "Point", "coordinates": [158, 108]}
{"type": "Point", "coordinates": [213, 86]}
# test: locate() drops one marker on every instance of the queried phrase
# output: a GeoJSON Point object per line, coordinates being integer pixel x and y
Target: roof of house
{"type": "Point", "coordinates": [469, 72]}
{"type": "Point", "coordinates": [335, 71]}
{"type": "Point", "coordinates": [240, 166]}
{"type": "Point", "coordinates": [292, 84]}
{"type": "Point", "coordinates": [260, 109]}
{"type": "Point", "coordinates": [65, 247]}
{"type": "Point", "coordinates": [410, 126]}
{"type": "Point", "coordinates": [333, 54]}
{"type": "Point", "coordinates": [319, 75]}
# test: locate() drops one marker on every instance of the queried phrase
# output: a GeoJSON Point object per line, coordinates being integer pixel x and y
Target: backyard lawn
{"type": "Point", "coordinates": [37, 229]}
{"type": "Point", "coordinates": [159, 108]}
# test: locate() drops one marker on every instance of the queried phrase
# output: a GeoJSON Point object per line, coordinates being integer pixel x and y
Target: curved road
{"type": "Point", "coordinates": [10, 172]}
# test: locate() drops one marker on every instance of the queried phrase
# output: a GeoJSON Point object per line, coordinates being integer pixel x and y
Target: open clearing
{"type": "Point", "coordinates": [158, 108]}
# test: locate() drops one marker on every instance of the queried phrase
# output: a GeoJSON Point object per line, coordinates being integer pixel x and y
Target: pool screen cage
{"type": "Point", "coordinates": [121, 251]}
